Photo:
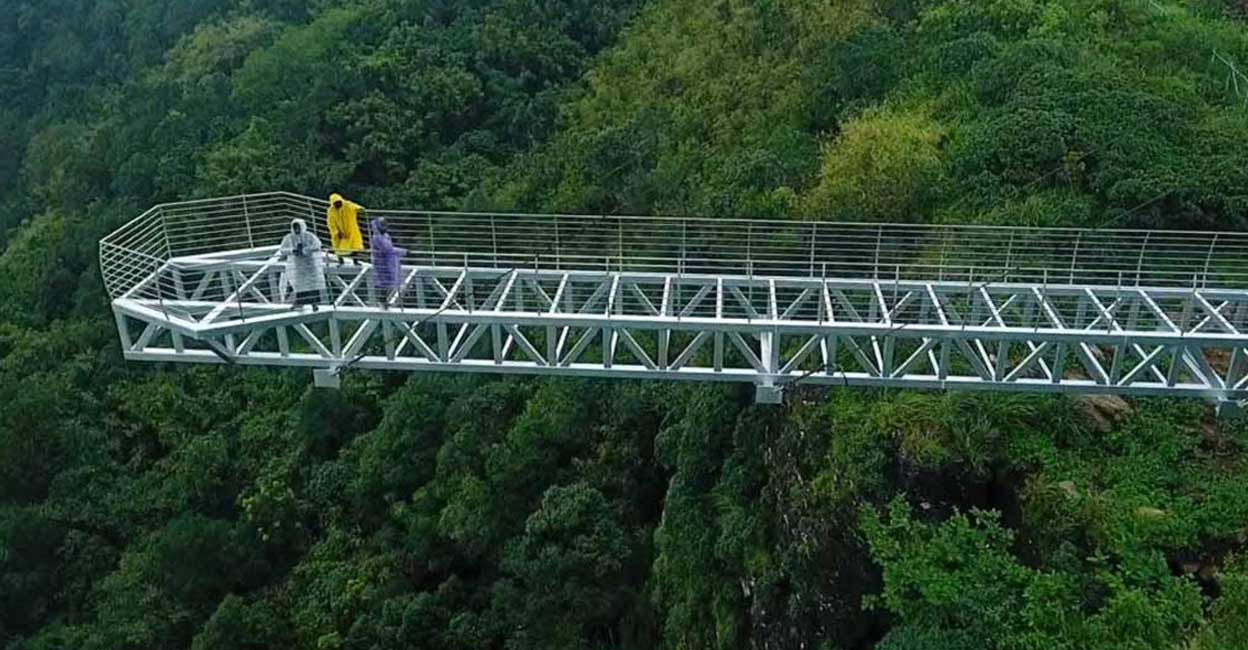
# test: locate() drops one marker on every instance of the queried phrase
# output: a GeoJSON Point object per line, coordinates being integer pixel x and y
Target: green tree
{"type": "Point", "coordinates": [562, 573]}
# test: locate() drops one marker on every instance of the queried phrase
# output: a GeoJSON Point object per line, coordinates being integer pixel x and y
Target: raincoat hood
{"type": "Point", "coordinates": [336, 198]}
{"type": "Point", "coordinates": [300, 225]}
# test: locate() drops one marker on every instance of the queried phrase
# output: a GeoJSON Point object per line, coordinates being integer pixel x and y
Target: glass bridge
{"type": "Point", "coordinates": [777, 304]}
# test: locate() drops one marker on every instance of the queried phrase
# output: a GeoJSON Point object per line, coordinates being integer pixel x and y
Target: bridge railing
{"type": "Point", "coordinates": [150, 257]}
{"type": "Point", "coordinates": [843, 250]}
{"type": "Point", "coordinates": [141, 258]}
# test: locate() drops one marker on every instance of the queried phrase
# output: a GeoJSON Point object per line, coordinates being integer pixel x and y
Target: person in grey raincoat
{"type": "Point", "coordinates": [305, 266]}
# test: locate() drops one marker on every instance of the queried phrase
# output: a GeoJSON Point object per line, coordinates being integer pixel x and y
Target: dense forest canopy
{"type": "Point", "coordinates": [168, 507]}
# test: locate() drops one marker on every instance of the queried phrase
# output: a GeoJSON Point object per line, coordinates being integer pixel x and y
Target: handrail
{"type": "Point", "coordinates": [971, 253]}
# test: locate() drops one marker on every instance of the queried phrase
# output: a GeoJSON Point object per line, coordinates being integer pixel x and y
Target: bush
{"type": "Point", "coordinates": [887, 165]}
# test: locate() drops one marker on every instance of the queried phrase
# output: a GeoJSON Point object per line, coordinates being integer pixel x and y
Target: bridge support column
{"type": "Point", "coordinates": [768, 394]}
{"type": "Point", "coordinates": [1229, 409]}
{"type": "Point", "coordinates": [326, 379]}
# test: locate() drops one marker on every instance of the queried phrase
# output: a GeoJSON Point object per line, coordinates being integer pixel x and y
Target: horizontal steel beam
{"type": "Point", "coordinates": [773, 332]}
{"type": "Point", "coordinates": [269, 315]}
{"type": "Point", "coordinates": [639, 372]}
{"type": "Point", "coordinates": [254, 259]}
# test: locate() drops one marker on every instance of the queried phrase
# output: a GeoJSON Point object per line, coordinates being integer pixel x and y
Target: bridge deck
{"type": "Point", "coordinates": [773, 303]}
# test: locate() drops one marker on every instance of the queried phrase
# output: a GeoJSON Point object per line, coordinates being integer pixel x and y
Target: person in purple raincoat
{"type": "Point", "coordinates": [386, 258]}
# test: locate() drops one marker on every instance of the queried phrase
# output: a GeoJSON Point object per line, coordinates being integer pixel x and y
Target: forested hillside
{"type": "Point", "coordinates": [146, 506]}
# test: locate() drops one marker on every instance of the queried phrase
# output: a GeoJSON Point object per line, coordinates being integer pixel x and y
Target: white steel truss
{"type": "Point", "coordinates": [984, 329]}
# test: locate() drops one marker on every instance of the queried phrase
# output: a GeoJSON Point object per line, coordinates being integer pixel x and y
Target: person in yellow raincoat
{"type": "Point", "coordinates": [343, 218]}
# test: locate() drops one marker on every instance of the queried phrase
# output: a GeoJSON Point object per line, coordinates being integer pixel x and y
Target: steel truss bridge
{"type": "Point", "coordinates": [771, 303]}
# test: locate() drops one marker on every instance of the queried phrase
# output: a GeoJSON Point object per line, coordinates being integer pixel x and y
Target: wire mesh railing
{"type": "Point", "coordinates": [213, 250]}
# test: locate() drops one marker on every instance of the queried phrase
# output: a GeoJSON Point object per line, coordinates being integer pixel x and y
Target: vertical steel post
{"type": "Point", "coordinates": [1139, 264]}
{"type": "Point", "coordinates": [1204, 283]}
{"type": "Point", "coordinates": [251, 240]}
{"type": "Point", "coordinates": [494, 240]}
{"type": "Point", "coordinates": [1074, 256]}
{"type": "Point", "coordinates": [879, 238]}
{"type": "Point", "coordinates": [814, 231]}
{"type": "Point", "coordinates": [433, 244]}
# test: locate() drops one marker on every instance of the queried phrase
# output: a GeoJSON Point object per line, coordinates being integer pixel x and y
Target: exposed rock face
{"type": "Point", "coordinates": [1104, 410]}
